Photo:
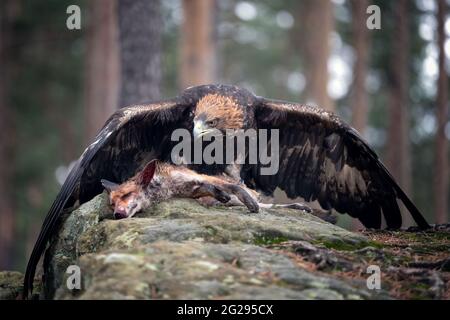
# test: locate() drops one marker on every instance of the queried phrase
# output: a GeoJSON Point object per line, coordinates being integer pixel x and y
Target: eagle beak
{"type": "Point", "coordinates": [200, 129]}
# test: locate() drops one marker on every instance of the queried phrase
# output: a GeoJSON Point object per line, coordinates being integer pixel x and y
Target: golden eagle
{"type": "Point", "coordinates": [321, 157]}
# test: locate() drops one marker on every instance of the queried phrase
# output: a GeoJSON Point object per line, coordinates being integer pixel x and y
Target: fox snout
{"type": "Point", "coordinates": [125, 199]}
{"type": "Point", "coordinates": [120, 213]}
{"type": "Point", "coordinates": [128, 198]}
{"type": "Point", "coordinates": [125, 210]}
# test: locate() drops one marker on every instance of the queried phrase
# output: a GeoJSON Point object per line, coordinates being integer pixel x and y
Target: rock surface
{"type": "Point", "coordinates": [181, 250]}
{"type": "Point", "coordinates": [10, 285]}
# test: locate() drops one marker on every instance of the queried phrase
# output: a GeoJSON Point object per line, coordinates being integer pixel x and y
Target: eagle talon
{"type": "Point", "coordinates": [300, 206]}
{"type": "Point", "coordinates": [295, 206]}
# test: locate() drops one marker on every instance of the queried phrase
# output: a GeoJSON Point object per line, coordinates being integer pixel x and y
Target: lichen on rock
{"type": "Point", "coordinates": [11, 285]}
{"type": "Point", "coordinates": [180, 250]}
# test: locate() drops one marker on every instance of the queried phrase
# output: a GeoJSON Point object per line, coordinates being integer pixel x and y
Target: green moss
{"type": "Point", "coordinates": [430, 249]}
{"type": "Point", "coordinates": [416, 290]}
{"type": "Point", "coordinates": [346, 246]}
{"type": "Point", "coordinates": [11, 279]}
{"type": "Point", "coordinates": [212, 231]}
{"type": "Point", "coordinates": [375, 244]}
{"type": "Point", "coordinates": [11, 285]}
{"type": "Point", "coordinates": [265, 240]}
{"type": "Point", "coordinates": [423, 237]}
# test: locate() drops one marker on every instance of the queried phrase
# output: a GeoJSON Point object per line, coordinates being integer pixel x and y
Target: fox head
{"type": "Point", "coordinates": [128, 198]}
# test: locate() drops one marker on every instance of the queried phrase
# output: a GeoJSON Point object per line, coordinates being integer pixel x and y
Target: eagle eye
{"type": "Point", "coordinates": [211, 123]}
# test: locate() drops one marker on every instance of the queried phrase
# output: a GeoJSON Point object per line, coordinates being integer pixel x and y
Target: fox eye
{"type": "Point", "coordinates": [126, 195]}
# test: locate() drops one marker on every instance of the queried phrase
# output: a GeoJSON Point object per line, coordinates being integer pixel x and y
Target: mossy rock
{"type": "Point", "coordinates": [179, 249]}
{"type": "Point", "coordinates": [11, 285]}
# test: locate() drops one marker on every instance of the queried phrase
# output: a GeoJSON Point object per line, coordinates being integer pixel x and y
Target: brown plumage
{"type": "Point", "coordinates": [223, 109]}
{"type": "Point", "coordinates": [321, 157]}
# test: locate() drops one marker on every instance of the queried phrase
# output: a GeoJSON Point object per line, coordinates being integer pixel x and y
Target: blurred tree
{"type": "Point", "coordinates": [7, 217]}
{"type": "Point", "coordinates": [359, 97]}
{"type": "Point", "coordinates": [441, 170]}
{"type": "Point", "coordinates": [140, 27]}
{"type": "Point", "coordinates": [316, 22]}
{"type": "Point", "coordinates": [255, 50]}
{"type": "Point", "coordinates": [361, 44]}
{"type": "Point", "coordinates": [258, 53]}
{"type": "Point", "coordinates": [198, 43]}
{"type": "Point", "coordinates": [102, 65]}
{"type": "Point", "coordinates": [398, 146]}
{"type": "Point", "coordinates": [45, 85]}
{"type": "Point", "coordinates": [421, 103]}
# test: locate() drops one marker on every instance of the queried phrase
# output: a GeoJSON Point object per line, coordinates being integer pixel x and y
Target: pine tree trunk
{"type": "Point", "coordinates": [398, 147]}
{"type": "Point", "coordinates": [140, 27]}
{"type": "Point", "coordinates": [441, 153]}
{"type": "Point", "coordinates": [361, 44]}
{"type": "Point", "coordinates": [198, 43]}
{"type": "Point", "coordinates": [316, 23]}
{"type": "Point", "coordinates": [102, 74]}
{"type": "Point", "coordinates": [359, 98]}
{"type": "Point", "coordinates": [7, 218]}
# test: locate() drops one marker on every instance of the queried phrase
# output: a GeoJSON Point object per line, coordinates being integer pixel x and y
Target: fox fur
{"type": "Point", "coordinates": [160, 181]}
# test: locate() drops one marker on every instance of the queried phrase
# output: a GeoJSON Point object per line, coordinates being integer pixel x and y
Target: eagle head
{"type": "Point", "coordinates": [217, 112]}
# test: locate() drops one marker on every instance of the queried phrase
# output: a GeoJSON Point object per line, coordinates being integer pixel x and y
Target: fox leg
{"type": "Point", "coordinates": [296, 206]}
{"type": "Point", "coordinates": [240, 192]}
{"type": "Point", "coordinates": [243, 195]}
{"type": "Point", "coordinates": [221, 191]}
{"type": "Point", "coordinates": [205, 189]}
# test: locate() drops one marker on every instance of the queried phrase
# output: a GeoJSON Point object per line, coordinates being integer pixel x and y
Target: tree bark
{"type": "Point", "coordinates": [398, 147]}
{"type": "Point", "coordinates": [359, 98]}
{"type": "Point", "coordinates": [7, 218]}
{"type": "Point", "coordinates": [316, 22]}
{"type": "Point", "coordinates": [140, 27]}
{"type": "Point", "coordinates": [361, 44]}
{"type": "Point", "coordinates": [198, 43]}
{"type": "Point", "coordinates": [102, 74]}
{"type": "Point", "coordinates": [441, 153]}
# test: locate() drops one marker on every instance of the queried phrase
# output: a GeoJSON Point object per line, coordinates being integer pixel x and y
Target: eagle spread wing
{"type": "Point", "coordinates": [130, 137]}
{"type": "Point", "coordinates": [324, 159]}
{"type": "Point", "coordinates": [321, 158]}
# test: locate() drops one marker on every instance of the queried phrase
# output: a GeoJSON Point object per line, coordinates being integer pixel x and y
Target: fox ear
{"type": "Point", "coordinates": [147, 174]}
{"type": "Point", "coordinates": [108, 185]}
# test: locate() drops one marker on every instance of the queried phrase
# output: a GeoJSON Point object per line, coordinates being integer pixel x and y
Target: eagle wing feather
{"type": "Point", "coordinates": [129, 137]}
{"type": "Point", "coordinates": [324, 159]}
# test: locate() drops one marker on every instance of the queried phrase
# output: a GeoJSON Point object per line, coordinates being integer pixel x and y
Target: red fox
{"type": "Point", "coordinates": [160, 181]}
